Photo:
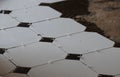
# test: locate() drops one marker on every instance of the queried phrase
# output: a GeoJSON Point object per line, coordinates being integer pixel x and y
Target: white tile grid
{"type": "Point", "coordinates": [54, 68]}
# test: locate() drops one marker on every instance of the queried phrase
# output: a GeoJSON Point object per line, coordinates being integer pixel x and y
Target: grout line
{"type": "Point", "coordinates": [46, 20]}
{"type": "Point", "coordinates": [35, 32]}
{"type": "Point", "coordinates": [49, 62]}
{"type": "Point", "coordinates": [8, 28]}
{"type": "Point", "coordinates": [60, 47]}
{"type": "Point", "coordinates": [15, 18]}
{"type": "Point", "coordinates": [22, 45]}
{"type": "Point", "coordinates": [39, 65]}
{"type": "Point", "coordinates": [70, 34]}
{"type": "Point", "coordinates": [97, 51]}
{"type": "Point", "coordinates": [28, 75]}
{"type": "Point", "coordinates": [9, 59]}
{"type": "Point", "coordinates": [91, 68]}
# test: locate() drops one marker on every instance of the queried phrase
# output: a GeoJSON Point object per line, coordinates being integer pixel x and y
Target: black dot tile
{"type": "Point", "coordinates": [103, 75]}
{"type": "Point", "coordinates": [22, 70]}
{"type": "Point", "coordinates": [1, 11]}
{"type": "Point", "coordinates": [47, 39]}
{"type": "Point", "coordinates": [73, 56]}
{"type": "Point", "coordinates": [5, 11]}
{"type": "Point", "coordinates": [24, 24]}
{"type": "Point", "coordinates": [2, 50]}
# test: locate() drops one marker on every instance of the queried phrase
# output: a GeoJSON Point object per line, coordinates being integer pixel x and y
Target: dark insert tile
{"type": "Point", "coordinates": [47, 39]}
{"type": "Point", "coordinates": [1, 11]}
{"type": "Point", "coordinates": [73, 56]}
{"type": "Point", "coordinates": [5, 11]}
{"type": "Point", "coordinates": [24, 24]}
{"type": "Point", "coordinates": [22, 70]}
{"type": "Point", "coordinates": [103, 75]}
{"type": "Point", "coordinates": [2, 50]}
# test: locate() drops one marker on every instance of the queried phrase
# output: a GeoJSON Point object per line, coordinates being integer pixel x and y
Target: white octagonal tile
{"type": "Point", "coordinates": [105, 62]}
{"type": "Point", "coordinates": [23, 35]}
{"type": "Point", "coordinates": [35, 14]}
{"type": "Point", "coordinates": [35, 54]}
{"type": "Point", "coordinates": [57, 27]}
{"type": "Point", "coordinates": [64, 68]}
{"type": "Point", "coordinates": [83, 42]}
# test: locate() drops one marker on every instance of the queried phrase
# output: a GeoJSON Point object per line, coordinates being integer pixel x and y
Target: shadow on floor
{"type": "Point", "coordinates": [70, 8]}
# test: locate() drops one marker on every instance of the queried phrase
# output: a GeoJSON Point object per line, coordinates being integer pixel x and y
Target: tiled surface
{"type": "Point", "coordinates": [57, 27]}
{"type": "Point", "coordinates": [23, 35]}
{"type": "Point", "coordinates": [51, 46]}
{"type": "Point", "coordinates": [15, 75]}
{"type": "Point", "coordinates": [62, 69]}
{"type": "Point", "coordinates": [35, 14]}
{"type": "Point", "coordinates": [84, 42]}
{"type": "Point", "coordinates": [16, 4]}
{"type": "Point", "coordinates": [105, 62]}
{"type": "Point", "coordinates": [6, 40]}
{"type": "Point", "coordinates": [16, 37]}
{"type": "Point", "coordinates": [35, 54]}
